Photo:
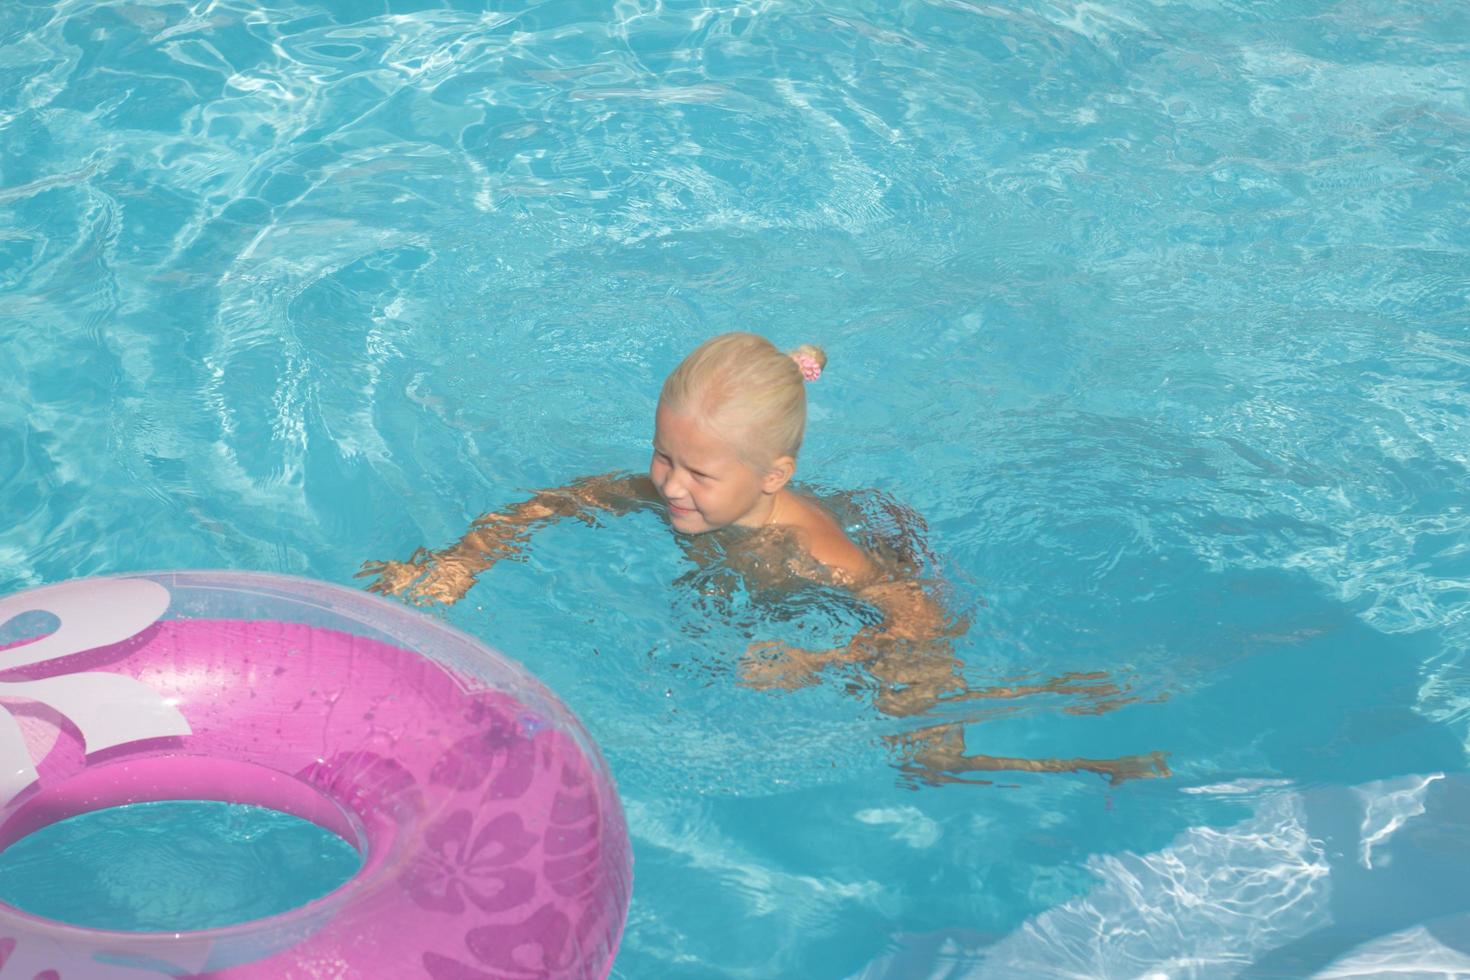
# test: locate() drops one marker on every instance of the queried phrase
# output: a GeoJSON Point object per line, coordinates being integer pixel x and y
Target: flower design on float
{"type": "Point", "coordinates": [501, 751]}
{"type": "Point", "coordinates": [536, 947]}
{"type": "Point", "coordinates": [462, 863]}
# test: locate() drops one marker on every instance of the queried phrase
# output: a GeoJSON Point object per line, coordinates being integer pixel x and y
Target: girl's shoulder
{"type": "Point", "coordinates": [824, 539]}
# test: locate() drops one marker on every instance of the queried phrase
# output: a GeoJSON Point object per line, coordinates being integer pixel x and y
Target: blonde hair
{"type": "Point", "coordinates": [746, 389]}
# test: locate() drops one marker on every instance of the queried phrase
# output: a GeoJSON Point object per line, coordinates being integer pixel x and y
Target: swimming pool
{"type": "Point", "coordinates": [1156, 312]}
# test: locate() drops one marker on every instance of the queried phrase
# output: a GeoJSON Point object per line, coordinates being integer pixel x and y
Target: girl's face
{"type": "Point", "coordinates": [703, 479]}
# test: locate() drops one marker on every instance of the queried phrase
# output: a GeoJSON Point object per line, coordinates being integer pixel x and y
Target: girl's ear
{"type": "Point", "coordinates": [778, 474]}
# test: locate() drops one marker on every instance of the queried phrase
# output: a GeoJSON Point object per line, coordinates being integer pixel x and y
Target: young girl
{"type": "Point", "coordinates": [726, 436]}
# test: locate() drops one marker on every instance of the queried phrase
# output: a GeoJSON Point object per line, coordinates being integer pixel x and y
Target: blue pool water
{"type": "Point", "coordinates": [1156, 313]}
{"type": "Point", "coordinates": [173, 865]}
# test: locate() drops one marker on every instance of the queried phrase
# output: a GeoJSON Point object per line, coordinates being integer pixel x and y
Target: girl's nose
{"type": "Point", "coordinates": [673, 485]}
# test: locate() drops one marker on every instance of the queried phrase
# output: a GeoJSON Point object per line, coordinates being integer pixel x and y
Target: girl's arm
{"type": "Point", "coordinates": [444, 576]}
{"type": "Point", "coordinates": [910, 655]}
{"type": "Point", "coordinates": [914, 629]}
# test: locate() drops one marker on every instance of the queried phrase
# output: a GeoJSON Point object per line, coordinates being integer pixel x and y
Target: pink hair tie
{"type": "Point", "coordinates": [810, 369]}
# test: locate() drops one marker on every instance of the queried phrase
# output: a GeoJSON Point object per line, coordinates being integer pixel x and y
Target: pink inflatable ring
{"type": "Point", "coordinates": [492, 841]}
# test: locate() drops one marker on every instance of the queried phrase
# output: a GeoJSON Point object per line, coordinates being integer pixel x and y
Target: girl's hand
{"type": "Point", "coordinates": [394, 577]}
{"type": "Point", "coordinates": [774, 664]}
{"type": "Point", "coordinates": [425, 579]}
